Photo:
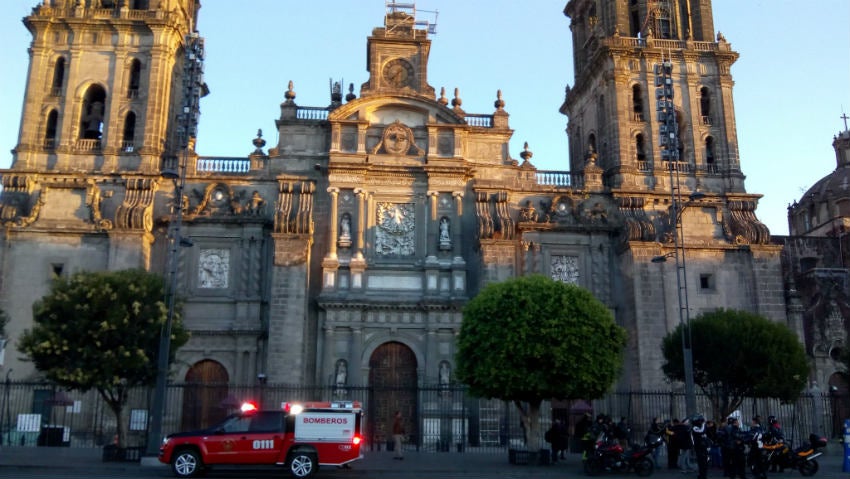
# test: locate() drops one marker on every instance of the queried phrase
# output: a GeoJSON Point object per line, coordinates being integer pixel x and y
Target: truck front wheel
{"type": "Point", "coordinates": [186, 463]}
{"type": "Point", "coordinates": [302, 465]}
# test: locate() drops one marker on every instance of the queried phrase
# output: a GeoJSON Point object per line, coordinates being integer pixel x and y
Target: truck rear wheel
{"type": "Point", "coordinates": [186, 463]}
{"type": "Point", "coordinates": [302, 464]}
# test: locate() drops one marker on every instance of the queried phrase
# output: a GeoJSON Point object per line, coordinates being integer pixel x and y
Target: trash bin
{"type": "Point", "coordinates": [51, 436]}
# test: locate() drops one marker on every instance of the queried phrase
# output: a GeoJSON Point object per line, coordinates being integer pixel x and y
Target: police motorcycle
{"type": "Point", "coordinates": [768, 452]}
{"type": "Point", "coordinates": [609, 456]}
{"type": "Point", "coordinates": [802, 458]}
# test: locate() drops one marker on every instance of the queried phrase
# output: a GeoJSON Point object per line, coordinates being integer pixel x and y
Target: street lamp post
{"type": "Point", "coordinates": [193, 91]}
{"type": "Point", "coordinates": [669, 143]}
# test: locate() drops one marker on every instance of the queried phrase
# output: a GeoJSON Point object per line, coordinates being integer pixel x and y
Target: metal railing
{"type": "Point", "coordinates": [447, 418]}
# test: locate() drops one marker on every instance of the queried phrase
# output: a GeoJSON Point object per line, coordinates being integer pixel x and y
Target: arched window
{"type": "Point", "coordinates": [663, 25]}
{"type": "Point", "coordinates": [709, 155]}
{"type": "Point", "coordinates": [91, 116]}
{"type": "Point", "coordinates": [637, 103]}
{"type": "Point", "coordinates": [139, 4]}
{"type": "Point", "coordinates": [640, 147]}
{"type": "Point", "coordinates": [705, 105]}
{"type": "Point", "coordinates": [58, 77]}
{"type": "Point", "coordinates": [591, 143]}
{"type": "Point", "coordinates": [135, 79]}
{"type": "Point", "coordinates": [50, 129]}
{"type": "Point", "coordinates": [128, 139]}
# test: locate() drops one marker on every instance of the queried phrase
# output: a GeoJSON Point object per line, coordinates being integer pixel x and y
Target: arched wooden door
{"type": "Point", "coordinates": [393, 383]}
{"type": "Point", "coordinates": [205, 391]}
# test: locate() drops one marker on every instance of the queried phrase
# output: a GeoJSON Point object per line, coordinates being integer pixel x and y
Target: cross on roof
{"type": "Point", "coordinates": [844, 117]}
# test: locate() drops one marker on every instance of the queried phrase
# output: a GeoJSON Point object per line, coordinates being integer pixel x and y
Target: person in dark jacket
{"type": "Point", "coordinates": [685, 445]}
{"type": "Point", "coordinates": [700, 440]}
{"type": "Point", "coordinates": [656, 429]}
{"type": "Point", "coordinates": [557, 437]}
{"type": "Point", "coordinates": [672, 445]}
{"type": "Point", "coordinates": [732, 442]}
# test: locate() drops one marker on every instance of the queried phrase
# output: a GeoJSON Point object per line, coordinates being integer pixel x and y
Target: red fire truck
{"type": "Point", "coordinates": [299, 437]}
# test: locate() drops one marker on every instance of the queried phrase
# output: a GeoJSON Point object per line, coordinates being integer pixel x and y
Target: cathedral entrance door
{"type": "Point", "coordinates": [205, 392]}
{"type": "Point", "coordinates": [392, 386]}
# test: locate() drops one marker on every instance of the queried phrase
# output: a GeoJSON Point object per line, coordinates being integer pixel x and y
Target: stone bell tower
{"type": "Point", "coordinates": [104, 96]}
{"type": "Point", "coordinates": [613, 104]}
{"type": "Point", "coordinates": [102, 84]}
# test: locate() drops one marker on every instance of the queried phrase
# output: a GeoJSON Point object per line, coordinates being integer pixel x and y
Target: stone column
{"type": "Point", "coordinates": [457, 224]}
{"type": "Point", "coordinates": [334, 223]}
{"type": "Point", "coordinates": [361, 222]}
{"type": "Point", "coordinates": [433, 225]}
{"type": "Point", "coordinates": [328, 368]}
{"type": "Point", "coordinates": [354, 370]}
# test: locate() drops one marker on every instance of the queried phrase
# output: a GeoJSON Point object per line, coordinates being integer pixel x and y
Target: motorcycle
{"type": "Point", "coordinates": [611, 457]}
{"type": "Point", "coordinates": [780, 454]}
{"type": "Point", "coordinates": [803, 458]}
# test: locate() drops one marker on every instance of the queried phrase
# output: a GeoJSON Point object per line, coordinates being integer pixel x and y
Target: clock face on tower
{"type": "Point", "coordinates": [398, 73]}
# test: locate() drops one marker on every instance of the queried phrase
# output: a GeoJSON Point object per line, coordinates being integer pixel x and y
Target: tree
{"type": "Point", "coordinates": [101, 331]}
{"type": "Point", "coordinates": [737, 354]}
{"type": "Point", "coordinates": [530, 339]}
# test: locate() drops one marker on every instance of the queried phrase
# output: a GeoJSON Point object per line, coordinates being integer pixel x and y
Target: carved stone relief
{"type": "Point", "coordinates": [395, 228]}
{"type": "Point", "coordinates": [565, 269]}
{"type": "Point", "coordinates": [213, 268]}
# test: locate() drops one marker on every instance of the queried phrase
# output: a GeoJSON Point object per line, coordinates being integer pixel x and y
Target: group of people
{"type": "Point", "coordinates": [739, 446]}
{"type": "Point", "coordinates": [705, 441]}
{"type": "Point", "coordinates": [692, 443]}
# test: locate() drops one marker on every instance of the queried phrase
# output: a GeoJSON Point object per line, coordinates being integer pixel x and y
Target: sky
{"type": "Point", "coordinates": [792, 81]}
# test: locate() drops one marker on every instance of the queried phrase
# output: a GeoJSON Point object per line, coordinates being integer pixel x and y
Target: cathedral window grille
{"type": "Point", "coordinates": [135, 79]}
{"type": "Point", "coordinates": [50, 129]}
{"type": "Point", "coordinates": [127, 140]}
{"type": "Point", "coordinates": [637, 103]}
{"type": "Point", "coordinates": [710, 163]}
{"type": "Point", "coordinates": [91, 115]}
{"type": "Point", "coordinates": [705, 105]}
{"type": "Point", "coordinates": [640, 148]}
{"type": "Point", "coordinates": [634, 18]}
{"type": "Point", "coordinates": [58, 77]}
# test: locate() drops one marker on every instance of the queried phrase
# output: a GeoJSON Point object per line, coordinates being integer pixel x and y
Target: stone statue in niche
{"type": "Point", "coordinates": [445, 373]}
{"type": "Point", "coordinates": [340, 378]}
{"type": "Point", "coordinates": [345, 231]}
{"type": "Point", "coordinates": [445, 234]}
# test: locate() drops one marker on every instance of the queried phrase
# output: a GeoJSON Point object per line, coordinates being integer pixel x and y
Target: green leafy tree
{"type": "Point", "coordinates": [737, 354]}
{"type": "Point", "coordinates": [101, 331]}
{"type": "Point", "coordinates": [530, 339]}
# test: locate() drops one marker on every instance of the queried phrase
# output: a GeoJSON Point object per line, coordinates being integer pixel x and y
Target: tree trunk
{"type": "Point", "coordinates": [120, 425]}
{"type": "Point", "coordinates": [531, 421]}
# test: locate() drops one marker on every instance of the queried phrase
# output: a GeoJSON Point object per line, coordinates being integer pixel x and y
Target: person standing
{"type": "Point", "coordinates": [685, 445]}
{"type": "Point", "coordinates": [656, 430]}
{"type": "Point", "coordinates": [701, 442]}
{"type": "Point", "coordinates": [398, 435]}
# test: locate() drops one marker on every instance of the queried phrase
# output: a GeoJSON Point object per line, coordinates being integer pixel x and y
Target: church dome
{"type": "Point", "coordinates": [825, 208]}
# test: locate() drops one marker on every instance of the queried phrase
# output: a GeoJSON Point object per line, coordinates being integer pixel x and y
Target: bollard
{"type": "Point", "coordinates": [846, 467]}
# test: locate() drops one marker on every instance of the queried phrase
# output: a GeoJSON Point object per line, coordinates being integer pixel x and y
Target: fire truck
{"type": "Point", "coordinates": [300, 437]}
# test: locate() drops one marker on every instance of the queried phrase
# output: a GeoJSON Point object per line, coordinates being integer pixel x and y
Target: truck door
{"type": "Point", "coordinates": [264, 439]}
{"type": "Point", "coordinates": [223, 444]}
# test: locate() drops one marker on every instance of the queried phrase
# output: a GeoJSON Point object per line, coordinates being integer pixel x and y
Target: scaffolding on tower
{"type": "Point", "coordinates": [427, 19]}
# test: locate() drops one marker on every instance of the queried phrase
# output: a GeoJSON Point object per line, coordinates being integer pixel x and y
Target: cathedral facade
{"type": "Point", "coordinates": [344, 254]}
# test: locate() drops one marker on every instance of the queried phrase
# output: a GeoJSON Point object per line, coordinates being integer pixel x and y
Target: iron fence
{"type": "Point", "coordinates": [445, 419]}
